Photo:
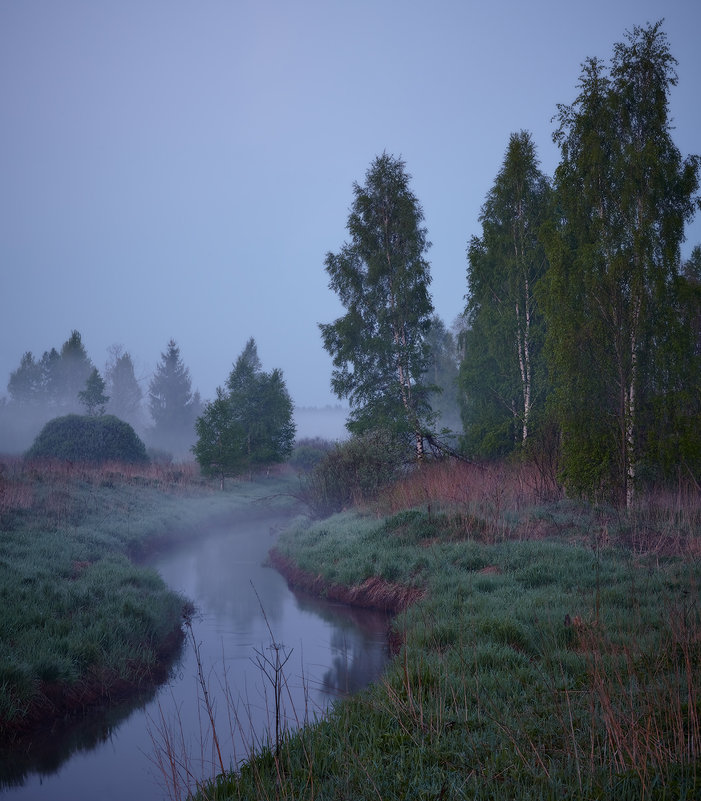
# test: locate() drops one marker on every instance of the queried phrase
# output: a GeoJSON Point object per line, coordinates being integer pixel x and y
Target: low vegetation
{"type": "Point", "coordinates": [352, 471]}
{"type": "Point", "coordinates": [554, 650]}
{"type": "Point", "coordinates": [87, 438]}
{"type": "Point", "coordinates": [81, 619]}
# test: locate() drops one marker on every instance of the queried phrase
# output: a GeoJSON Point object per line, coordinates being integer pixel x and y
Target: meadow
{"type": "Point", "coordinates": [545, 648]}
{"type": "Point", "coordinates": [83, 622]}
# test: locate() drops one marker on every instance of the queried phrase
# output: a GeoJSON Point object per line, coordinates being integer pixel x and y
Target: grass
{"type": "Point", "coordinates": [555, 652]}
{"type": "Point", "coordinates": [81, 619]}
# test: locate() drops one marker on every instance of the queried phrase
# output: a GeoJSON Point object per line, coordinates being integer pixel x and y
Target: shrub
{"type": "Point", "coordinates": [309, 452]}
{"type": "Point", "coordinates": [354, 471]}
{"type": "Point", "coordinates": [79, 438]}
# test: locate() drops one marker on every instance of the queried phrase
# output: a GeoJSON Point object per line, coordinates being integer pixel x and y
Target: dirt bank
{"type": "Point", "coordinates": [373, 593]}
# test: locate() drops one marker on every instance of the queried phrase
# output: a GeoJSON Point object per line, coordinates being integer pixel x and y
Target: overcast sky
{"type": "Point", "coordinates": [180, 169]}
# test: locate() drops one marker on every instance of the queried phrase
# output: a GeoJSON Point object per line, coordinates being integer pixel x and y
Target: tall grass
{"type": "Point", "coordinates": [555, 653]}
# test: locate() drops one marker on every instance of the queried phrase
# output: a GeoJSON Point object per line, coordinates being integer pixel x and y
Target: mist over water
{"type": "Point", "coordinates": [333, 650]}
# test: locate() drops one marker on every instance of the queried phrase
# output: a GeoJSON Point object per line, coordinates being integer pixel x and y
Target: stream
{"type": "Point", "coordinates": [247, 622]}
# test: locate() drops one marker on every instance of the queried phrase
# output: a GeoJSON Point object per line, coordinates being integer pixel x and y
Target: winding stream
{"type": "Point", "coordinates": [330, 650]}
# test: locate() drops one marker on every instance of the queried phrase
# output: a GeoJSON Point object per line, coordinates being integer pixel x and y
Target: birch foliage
{"type": "Point", "coordinates": [625, 193]}
{"type": "Point", "coordinates": [381, 276]}
{"type": "Point", "coordinates": [502, 379]}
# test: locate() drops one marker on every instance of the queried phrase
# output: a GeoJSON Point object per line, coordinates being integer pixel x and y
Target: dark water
{"type": "Point", "coordinates": [124, 753]}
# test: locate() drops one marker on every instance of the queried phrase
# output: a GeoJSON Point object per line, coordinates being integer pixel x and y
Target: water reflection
{"type": "Point", "coordinates": [47, 750]}
{"type": "Point", "coordinates": [358, 644]}
{"type": "Point", "coordinates": [333, 650]}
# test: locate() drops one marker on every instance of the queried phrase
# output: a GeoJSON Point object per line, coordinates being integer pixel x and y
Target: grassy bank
{"type": "Point", "coordinates": [554, 651]}
{"type": "Point", "coordinates": [81, 620]}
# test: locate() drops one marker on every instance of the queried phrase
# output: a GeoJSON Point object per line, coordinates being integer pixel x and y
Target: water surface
{"type": "Point", "coordinates": [124, 752]}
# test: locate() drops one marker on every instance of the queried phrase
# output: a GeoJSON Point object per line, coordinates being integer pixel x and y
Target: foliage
{"type": "Point", "coordinates": [41, 389]}
{"type": "Point", "coordinates": [308, 452]}
{"type": "Point", "coordinates": [125, 394]}
{"type": "Point", "coordinates": [249, 425]}
{"type": "Point", "coordinates": [88, 439]}
{"type": "Point", "coordinates": [381, 276]}
{"type": "Point", "coordinates": [354, 471]}
{"type": "Point", "coordinates": [624, 192]}
{"type": "Point", "coordinates": [70, 372]}
{"type": "Point", "coordinates": [502, 374]}
{"type": "Point", "coordinates": [173, 406]}
{"type": "Point", "coordinates": [93, 396]}
{"type": "Point", "coordinates": [55, 380]}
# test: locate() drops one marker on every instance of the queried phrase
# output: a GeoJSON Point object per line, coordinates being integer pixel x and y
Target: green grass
{"type": "Point", "coordinates": [80, 617]}
{"type": "Point", "coordinates": [562, 667]}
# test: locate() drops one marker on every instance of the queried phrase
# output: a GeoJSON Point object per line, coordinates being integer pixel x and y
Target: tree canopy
{"type": "Point", "coordinates": [502, 375]}
{"type": "Point", "coordinates": [381, 276]}
{"type": "Point", "coordinates": [125, 394]}
{"type": "Point", "coordinates": [249, 424]}
{"type": "Point", "coordinates": [173, 406]}
{"type": "Point", "coordinates": [93, 396]}
{"type": "Point", "coordinates": [624, 193]}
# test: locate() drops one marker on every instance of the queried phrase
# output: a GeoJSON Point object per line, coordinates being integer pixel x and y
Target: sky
{"type": "Point", "coordinates": [180, 170]}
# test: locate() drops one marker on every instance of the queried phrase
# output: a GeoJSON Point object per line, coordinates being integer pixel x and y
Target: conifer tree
{"type": "Point", "coordinates": [93, 396]}
{"type": "Point", "coordinates": [172, 404]}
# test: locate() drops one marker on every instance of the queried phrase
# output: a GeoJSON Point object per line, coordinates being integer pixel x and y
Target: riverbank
{"type": "Point", "coordinates": [83, 622]}
{"type": "Point", "coordinates": [553, 649]}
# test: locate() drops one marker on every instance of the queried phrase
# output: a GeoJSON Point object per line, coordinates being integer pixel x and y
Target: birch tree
{"type": "Point", "coordinates": [502, 379]}
{"type": "Point", "coordinates": [625, 193]}
{"type": "Point", "coordinates": [382, 277]}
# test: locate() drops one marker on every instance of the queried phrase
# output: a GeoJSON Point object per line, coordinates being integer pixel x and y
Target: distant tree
{"type": "Point", "coordinates": [248, 425]}
{"type": "Point", "coordinates": [26, 382]}
{"type": "Point", "coordinates": [624, 192]}
{"type": "Point", "coordinates": [171, 402]}
{"type": "Point", "coordinates": [442, 373]}
{"type": "Point", "coordinates": [502, 376]}
{"type": "Point", "coordinates": [67, 375]}
{"type": "Point", "coordinates": [381, 276]}
{"type": "Point", "coordinates": [49, 364]}
{"type": "Point", "coordinates": [124, 390]}
{"type": "Point", "coordinates": [93, 396]}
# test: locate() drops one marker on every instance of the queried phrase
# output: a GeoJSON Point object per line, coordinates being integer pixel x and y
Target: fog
{"type": "Point", "coordinates": [171, 170]}
{"type": "Point", "coordinates": [19, 426]}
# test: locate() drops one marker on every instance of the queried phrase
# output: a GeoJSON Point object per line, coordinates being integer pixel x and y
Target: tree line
{"type": "Point", "coordinates": [65, 381]}
{"type": "Point", "coordinates": [582, 327]}
{"type": "Point", "coordinates": [580, 341]}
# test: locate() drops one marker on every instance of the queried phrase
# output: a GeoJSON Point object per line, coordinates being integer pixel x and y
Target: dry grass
{"type": "Point", "coordinates": [496, 487]}
{"type": "Point", "coordinates": [512, 501]}
{"type": "Point", "coordinates": [46, 486]}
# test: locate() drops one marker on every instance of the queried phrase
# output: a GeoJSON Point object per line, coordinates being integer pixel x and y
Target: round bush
{"type": "Point", "coordinates": [79, 438]}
